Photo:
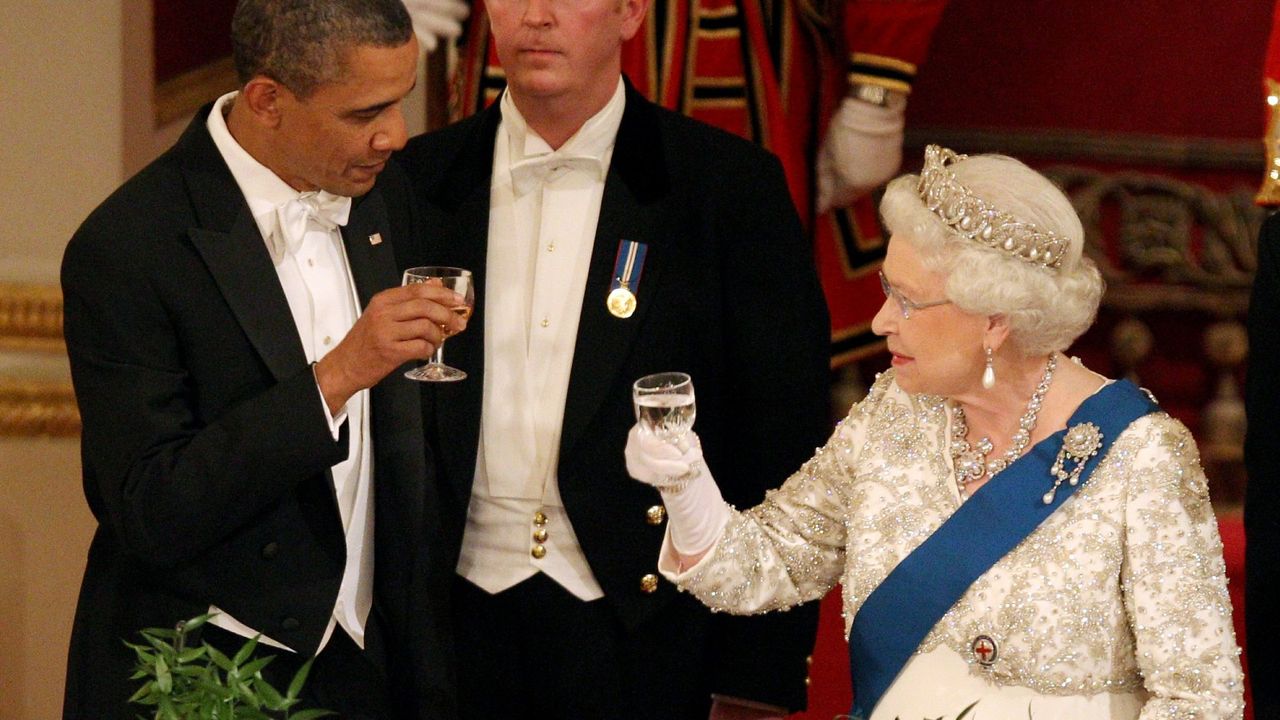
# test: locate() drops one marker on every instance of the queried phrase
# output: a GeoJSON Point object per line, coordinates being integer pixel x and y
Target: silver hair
{"type": "Point", "coordinates": [1047, 308]}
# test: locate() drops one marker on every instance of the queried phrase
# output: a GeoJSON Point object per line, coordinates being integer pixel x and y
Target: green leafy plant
{"type": "Point", "coordinates": [201, 683]}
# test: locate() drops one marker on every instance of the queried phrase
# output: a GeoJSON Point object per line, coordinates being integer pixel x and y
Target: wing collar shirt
{"type": "Point", "coordinates": [544, 205]}
{"type": "Point", "coordinates": [302, 234]}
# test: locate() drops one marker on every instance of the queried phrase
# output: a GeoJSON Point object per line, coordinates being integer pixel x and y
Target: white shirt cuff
{"type": "Point", "coordinates": [335, 422]}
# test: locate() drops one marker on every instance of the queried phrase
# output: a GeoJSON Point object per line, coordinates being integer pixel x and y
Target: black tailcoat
{"type": "Point", "coordinates": [728, 294]}
{"type": "Point", "coordinates": [206, 451]}
{"type": "Point", "coordinates": [1262, 460]}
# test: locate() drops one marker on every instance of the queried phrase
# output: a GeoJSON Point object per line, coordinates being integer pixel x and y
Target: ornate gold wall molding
{"type": "Point", "coordinates": [33, 408]}
{"type": "Point", "coordinates": [31, 327]}
{"type": "Point", "coordinates": [30, 318]}
{"type": "Point", "coordinates": [1178, 259]}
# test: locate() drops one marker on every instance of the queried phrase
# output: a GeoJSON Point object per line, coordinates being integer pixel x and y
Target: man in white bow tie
{"type": "Point", "coordinates": [609, 239]}
{"type": "Point", "coordinates": [237, 333]}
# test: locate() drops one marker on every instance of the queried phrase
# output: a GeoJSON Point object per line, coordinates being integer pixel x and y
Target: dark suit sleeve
{"type": "Point", "coordinates": [776, 333]}
{"type": "Point", "coordinates": [168, 477]}
{"type": "Point", "coordinates": [1262, 492]}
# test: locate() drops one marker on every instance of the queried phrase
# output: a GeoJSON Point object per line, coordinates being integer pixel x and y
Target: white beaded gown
{"type": "Point", "coordinates": [1116, 607]}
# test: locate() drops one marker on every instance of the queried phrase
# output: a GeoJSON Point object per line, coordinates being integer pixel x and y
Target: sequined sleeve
{"type": "Point", "coordinates": [789, 549]}
{"type": "Point", "coordinates": [1174, 581]}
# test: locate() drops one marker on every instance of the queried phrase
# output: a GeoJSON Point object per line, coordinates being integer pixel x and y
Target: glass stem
{"type": "Point", "coordinates": [437, 357]}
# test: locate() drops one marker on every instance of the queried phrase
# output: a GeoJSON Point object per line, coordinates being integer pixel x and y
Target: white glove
{"type": "Point", "coordinates": [861, 151]}
{"type": "Point", "coordinates": [435, 19]}
{"type": "Point", "coordinates": [696, 510]}
{"type": "Point", "coordinates": [662, 464]}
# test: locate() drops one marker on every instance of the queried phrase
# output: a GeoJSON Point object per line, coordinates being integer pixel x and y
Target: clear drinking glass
{"type": "Point", "coordinates": [459, 281]}
{"type": "Point", "coordinates": [665, 405]}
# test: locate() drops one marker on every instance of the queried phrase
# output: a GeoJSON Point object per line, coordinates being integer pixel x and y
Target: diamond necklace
{"type": "Point", "coordinates": [971, 461]}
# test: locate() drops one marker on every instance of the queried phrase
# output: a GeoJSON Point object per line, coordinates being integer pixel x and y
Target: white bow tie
{"type": "Point", "coordinates": [326, 209]}
{"type": "Point", "coordinates": [530, 173]}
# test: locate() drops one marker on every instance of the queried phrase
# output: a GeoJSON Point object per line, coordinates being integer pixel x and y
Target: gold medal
{"type": "Point", "coordinates": [621, 302]}
{"type": "Point", "coordinates": [626, 275]}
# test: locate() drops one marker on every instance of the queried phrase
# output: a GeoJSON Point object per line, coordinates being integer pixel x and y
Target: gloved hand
{"type": "Point", "coordinates": [435, 19]}
{"type": "Point", "coordinates": [662, 464]}
{"type": "Point", "coordinates": [696, 510]}
{"type": "Point", "coordinates": [861, 151]}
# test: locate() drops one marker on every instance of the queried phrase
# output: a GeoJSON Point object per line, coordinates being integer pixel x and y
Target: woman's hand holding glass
{"type": "Point", "coordinates": [663, 452]}
{"type": "Point", "coordinates": [696, 510]}
{"type": "Point", "coordinates": [665, 409]}
{"type": "Point", "coordinates": [657, 461]}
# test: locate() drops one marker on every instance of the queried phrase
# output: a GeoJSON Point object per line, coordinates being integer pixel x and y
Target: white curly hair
{"type": "Point", "coordinates": [1047, 308]}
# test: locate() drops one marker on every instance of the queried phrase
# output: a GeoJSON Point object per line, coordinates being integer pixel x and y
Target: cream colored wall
{"type": "Point", "coordinates": [61, 146]}
{"type": "Point", "coordinates": [61, 126]}
{"type": "Point", "coordinates": [75, 89]}
{"type": "Point", "coordinates": [45, 530]}
{"type": "Point", "coordinates": [75, 121]}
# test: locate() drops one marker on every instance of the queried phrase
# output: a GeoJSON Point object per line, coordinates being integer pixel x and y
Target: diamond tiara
{"type": "Point", "coordinates": [979, 221]}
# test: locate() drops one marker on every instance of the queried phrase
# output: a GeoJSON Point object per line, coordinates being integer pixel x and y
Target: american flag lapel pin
{"type": "Point", "coordinates": [375, 239]}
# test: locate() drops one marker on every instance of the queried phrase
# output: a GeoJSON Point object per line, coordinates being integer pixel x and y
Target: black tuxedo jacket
{"type": "Point", "coordinates": [1262, 460]}
{"type": "Point", "coordinates": [206, 451]}
{"type": "Point", "coordinates": [728, 294]}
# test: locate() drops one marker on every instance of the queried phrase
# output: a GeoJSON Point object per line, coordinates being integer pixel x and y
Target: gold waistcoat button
{"type": "Point", "coordinates": [538, 552]}
{"type": "Point", "coordinates": [540, 535]}
{"type": "Point", "coordinates": [649, 583]}
{"type": "Point", "coordinates": [539, 518]}
{"type": "Point", "coordinates": [655, 515]}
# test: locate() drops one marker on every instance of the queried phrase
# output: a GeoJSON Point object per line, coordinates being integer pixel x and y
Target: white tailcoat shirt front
{"type": "Point", "coordinates": [541, 235]}
{"type": "Point", "coordinates": [316, 278]}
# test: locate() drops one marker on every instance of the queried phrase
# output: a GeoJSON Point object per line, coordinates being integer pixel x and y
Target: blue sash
{"type": "Point", "coordinates": [899, 613]}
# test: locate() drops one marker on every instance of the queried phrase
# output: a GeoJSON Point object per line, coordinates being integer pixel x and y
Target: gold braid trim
{"type": "Point", "coordinates": [1269, 193]}
{"type": "Point", "coordinates": [31, 321]}
{"type": "Point", "coordinates": [38, 408]}
{"type": "Point", "coordinates": [883, 61]}
{"type": "Point", "coordinates": [30, 317]}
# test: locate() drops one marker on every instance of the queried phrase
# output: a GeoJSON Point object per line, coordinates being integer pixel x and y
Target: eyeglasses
{"type": "Point", "coordinates": [905, 304]}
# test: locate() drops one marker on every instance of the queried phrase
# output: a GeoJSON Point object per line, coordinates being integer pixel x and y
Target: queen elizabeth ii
{"type": "Point", "coordinates": [1009, 528]}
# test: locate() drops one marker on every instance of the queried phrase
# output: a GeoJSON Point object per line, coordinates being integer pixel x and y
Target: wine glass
{"type": "Point", "coordinates": [665, 405]}
{"type": "Point", "coordinates": [459, 281]}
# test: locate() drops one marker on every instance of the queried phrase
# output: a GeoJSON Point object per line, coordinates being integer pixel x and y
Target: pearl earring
{"type": "Point", "coordinates": [989, 372]}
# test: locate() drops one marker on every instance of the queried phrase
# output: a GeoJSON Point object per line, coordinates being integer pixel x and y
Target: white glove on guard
{"type": "Point", "coordinates": [861, 151]}
{"type": "Point", "coordinates": [435, 19]}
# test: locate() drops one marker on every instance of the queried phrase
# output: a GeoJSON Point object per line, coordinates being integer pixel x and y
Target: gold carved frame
{"type": "Point", "coordinates": [33, 403]}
